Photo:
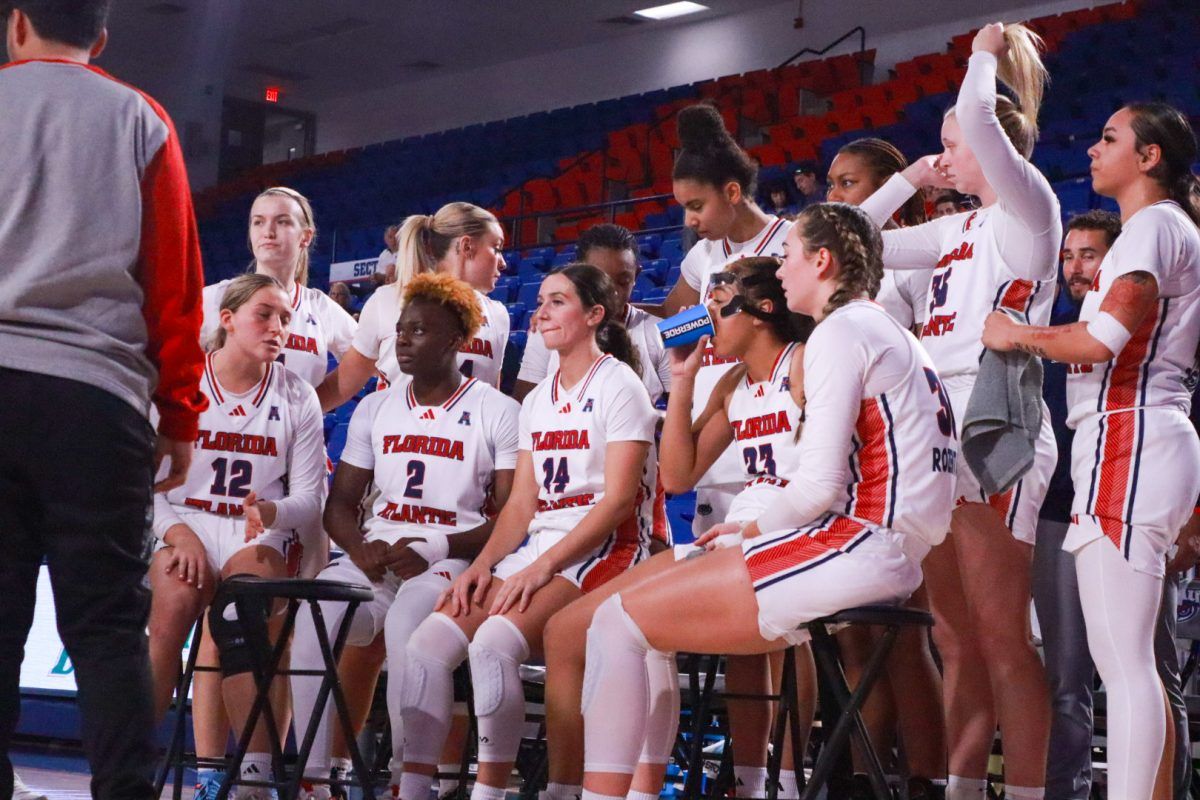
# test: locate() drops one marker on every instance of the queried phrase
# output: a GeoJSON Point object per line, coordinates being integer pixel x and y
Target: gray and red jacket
{"type": "Point", "coordinates": [100, 272]}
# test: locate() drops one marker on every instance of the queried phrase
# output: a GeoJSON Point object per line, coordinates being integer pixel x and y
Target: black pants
{"type": "Point", "coordinates": [1071, 673]}
{"type": "Point", "coordinates": [75, 478]}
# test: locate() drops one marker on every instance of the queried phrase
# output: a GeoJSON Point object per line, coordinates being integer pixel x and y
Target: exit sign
{"type": "Point", "coordinates": [272, 94]}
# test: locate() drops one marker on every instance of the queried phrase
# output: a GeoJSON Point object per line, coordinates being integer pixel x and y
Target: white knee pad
{"type": "Point", "coordinates": [414, 603]}
{"type": "Point", "coordinates": [615, 690]}
{"type": "Point", "coordinates": [496, 654]}
{"type": "Point", "coordinates": [426, 689]}
{"type": "Point", "coordinates": [662, 677]}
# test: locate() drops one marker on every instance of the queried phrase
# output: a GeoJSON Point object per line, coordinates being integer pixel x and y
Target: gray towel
{"type": "Point", "coordinates": [1003, 419]}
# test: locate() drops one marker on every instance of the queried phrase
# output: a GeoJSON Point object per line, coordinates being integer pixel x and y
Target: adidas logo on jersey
{"type": "Point", "coordinates": [566, 409]}
{"type": "Point", "coordinates": [429, 414]}
{"type": "Point", "coordinates": [238, 412]}
{"type": "Point", "coordinates": [758, 392]}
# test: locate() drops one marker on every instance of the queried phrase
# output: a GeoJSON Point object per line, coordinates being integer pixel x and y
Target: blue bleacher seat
{"type": "Point", "coordinates": [649, 243]}
{"type": "Point", "coordinates": [517, 315]}
{"type": "Point", "coordinates": [337, 441]}
{"type": "Point", "coordinates": [527, 294]}
{"type": "Point", "coordinates": [657, 269]}
{"type": "Point", "coordinates": [672, 251]}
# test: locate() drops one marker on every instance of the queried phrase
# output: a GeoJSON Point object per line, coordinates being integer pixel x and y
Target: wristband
{"type": "Point", "coordinates": [1106, 330]}
{"type": "Point", "coordinates": [434, 548]}
{"type": "Point", "coordinates": [727, 540]}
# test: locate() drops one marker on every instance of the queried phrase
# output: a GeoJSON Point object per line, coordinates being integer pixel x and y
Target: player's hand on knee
{"type": "Point", "coordinates": [188, 559]}
{"type": "Point", "coordinates": [712, 539]}
{"type": "Point", "coordinates": [470, 587]}
{"type": "Point", "coordinates": [518, 590]}
{"type": "Point", "coordinates": [371, 558]}
{"type": "Point", "coordinates": [179, 454]}
{"type": "Point", "coordinates": [403, 561]}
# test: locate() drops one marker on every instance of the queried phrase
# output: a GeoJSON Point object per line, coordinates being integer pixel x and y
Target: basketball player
{"type": "Point", "coordinates": [586, 432]}
{"type": "Point", "coordinates": [1005, 255]}
{"type": "Point", "coordinates": [257, 476]}
{"type": "Point", "coordinates": [850, 528]}
{"type": "Point", "coordinates": [462, 240]}
{"type": "Point", "coordinates": [756, 406]}
{"type": "Point", "coordinates": [1135, 460]}
{"type": "Point", "coordinates": [439, 446]}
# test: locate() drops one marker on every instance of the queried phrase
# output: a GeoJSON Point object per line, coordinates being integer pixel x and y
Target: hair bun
{"type": "Point", "coordinates": [701, 127]}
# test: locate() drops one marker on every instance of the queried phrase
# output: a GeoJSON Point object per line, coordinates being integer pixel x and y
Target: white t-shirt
{"type": "Point", "coordinates": [319, 326]}
{"type": "Point", "coordinates": [566, 431]}
{"type": "Point", "coordinates": [879, 444]}
{"type": "Point", "coordinates": [433, 465]}
{"type": "Point", "coordinates": [482, 357]}
{"type": "Point", "coordinates": [905, 295]}
{"type": "Point", "coordinates": [386, 259]}
{"type": "Point", "coordinates": [709, 256]}
{"type": "Point", "coordinates": [538, 361]}
{"type": "Point", "coordinates": [1157, 366]}
{"type": "Point", "coordinates": [269, 440]}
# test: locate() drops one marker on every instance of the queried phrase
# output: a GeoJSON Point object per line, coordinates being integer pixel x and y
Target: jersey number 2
{"type": "Point", "coordinates": [238, 474]}
{"type": "Point", "coordinates": [416, 479]}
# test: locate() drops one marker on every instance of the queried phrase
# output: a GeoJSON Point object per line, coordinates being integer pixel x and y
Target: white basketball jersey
{"type": "Point", "coordinates": [701, 262]}
{"type": "Point", "coordinates": [319, 327]}
{"type": "Point", "coordinates": [1157, 366]}
{"type": "Point", "coordinates": [903, 448]}
{"type": "Point", "coordinates": [970, 281]}
{"type": "Point", "coordinates": [434, 466]}
{"type": "Point", "coordinates": [482, 357]}
{"type": "Point", "coordinates": [566, 432]}
{"type": "Point", "coordinates": [538, 361]}
{"type": "Point", "coordinates": [245, 443]}
{"type": "Point", "coordinates": [765, 422]}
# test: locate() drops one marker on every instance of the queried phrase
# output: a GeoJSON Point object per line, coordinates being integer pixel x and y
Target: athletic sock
{"type": "Point", "coordinates": [414, 786]}
{"type": "Point", "coordinates": [256, 766]}
{"type": "Point", "coordinates": [960, 788]}
{"type": "Point", "coordinates": [482, 791]}
{"type": "Point", "coordinates": [562, 791]}
{"type": "Point", "coordinates": [750, 781]}
{"type": "Point", "coordinates": [1024, 792]}
{"type": "Point", "coordinates": [788, 790]}
{"type": "Point", "coordinates": [589, 795]}
{"type": "Point", "coordinates": [447, 785]}
{"type": "Point", "coordinates": [640, 796]}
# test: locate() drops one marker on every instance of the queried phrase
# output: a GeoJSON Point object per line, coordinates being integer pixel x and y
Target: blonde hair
{"type": "Point", "coordinates": [237, 294]}
{"type": "Point", "coordinates": [425, 239]}
{"type": "Point", "coordinates": [306, 221]}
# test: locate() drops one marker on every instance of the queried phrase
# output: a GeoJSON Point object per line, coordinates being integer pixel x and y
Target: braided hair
{"type": "Point", "coordinates": [595, 288]}
{"type": "Point", "coordinates": [855, 244]}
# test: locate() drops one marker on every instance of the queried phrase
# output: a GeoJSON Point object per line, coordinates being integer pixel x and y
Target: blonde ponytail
{"type": "Point", "coordinates": [1023, 72]}
{"type": "Point", "coordinates": [425, 240]}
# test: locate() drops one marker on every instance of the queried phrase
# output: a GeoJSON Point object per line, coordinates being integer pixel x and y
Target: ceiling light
{"type": "Point", "coordinates": [671, 10]}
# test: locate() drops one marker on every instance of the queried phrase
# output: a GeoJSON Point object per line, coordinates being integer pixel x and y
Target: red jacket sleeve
{"type": "Point", "coordinates": [172, 279]}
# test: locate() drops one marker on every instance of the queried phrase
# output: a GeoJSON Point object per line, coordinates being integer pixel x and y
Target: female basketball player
{"type": "Point", "coordinates": [757, 406]}
{"type": "Point", "coordinates": [714, 180]}
{"type": "Point", "coordinates": [910, 691]}
{"type": "Point", "coordinates": [1135, 461]}
{"type": "Point", "coordinates": [582, 469]}
{"type": "Point", "coordinates": [460, 239]}
{"type": "Point", "coordinates": [850, 528]}
{"type": "Point", "coordinates": [257, 478]}
{"type": "Point", "coordinates": [281, 233]}
{"type": "Point", "coordinates": [1005, 254]}
{"type": "Point", "coordinates": [439, 446]}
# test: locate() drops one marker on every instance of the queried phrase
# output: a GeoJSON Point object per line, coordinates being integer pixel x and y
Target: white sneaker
{"type": "Point", "coordinates": [23, 792]}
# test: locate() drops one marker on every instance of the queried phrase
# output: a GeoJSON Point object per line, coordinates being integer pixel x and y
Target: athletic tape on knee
{"type": "Point", "coordinates": [236, 629]}
{"type": "Point", "coordinates": [498, 644]}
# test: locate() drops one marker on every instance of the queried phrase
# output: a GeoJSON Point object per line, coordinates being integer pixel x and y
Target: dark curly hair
{"type": "Point", "coordinates": [709, 153]}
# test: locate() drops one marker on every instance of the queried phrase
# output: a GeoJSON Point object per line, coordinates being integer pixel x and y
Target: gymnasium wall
{"type": "Point", "coordinates": [650, 59]}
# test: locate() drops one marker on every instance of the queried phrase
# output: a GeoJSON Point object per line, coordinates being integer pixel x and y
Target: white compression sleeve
{"type": "Point", "coordinates": [615, 691]}
{"type": "Point", "coordinates": [1108, 331]}
{"type": "Point", "coordinates": [496, 654]}
{"type": "Point", "coordinates": [662, 677]}
{"type": "Point", "coordinates": [434, 651]}
{"type": "Point", "coordinates": [414, 602]}
{"type": "Point", "coordinates": [1120, 606]}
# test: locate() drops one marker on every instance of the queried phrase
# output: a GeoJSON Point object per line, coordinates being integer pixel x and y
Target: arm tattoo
{"type": "Point", "coordinates": [1032, 349]}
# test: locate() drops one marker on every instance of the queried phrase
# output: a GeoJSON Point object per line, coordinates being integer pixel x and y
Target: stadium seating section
{"type": "Point", "coordinates": [541, 173]}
